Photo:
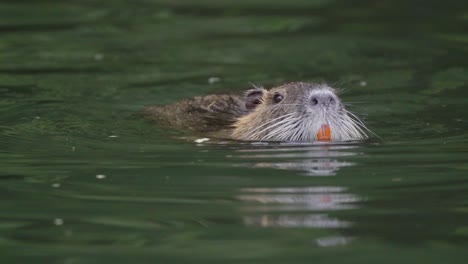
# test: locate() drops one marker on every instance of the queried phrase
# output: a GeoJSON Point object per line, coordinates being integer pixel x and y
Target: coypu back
{"type": "Point", "coordinates": [210, 113]}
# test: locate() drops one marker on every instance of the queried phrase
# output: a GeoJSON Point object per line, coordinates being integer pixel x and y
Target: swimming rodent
{"type": "Point", "coordinates": [290, 112]}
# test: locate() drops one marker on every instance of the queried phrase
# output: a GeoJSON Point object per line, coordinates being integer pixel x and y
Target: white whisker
{"type": "Point", "coordinates": [256, 132]}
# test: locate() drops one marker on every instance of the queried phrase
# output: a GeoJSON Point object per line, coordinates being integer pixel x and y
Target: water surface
{"type": "Point", "coordinates": [86, 181]}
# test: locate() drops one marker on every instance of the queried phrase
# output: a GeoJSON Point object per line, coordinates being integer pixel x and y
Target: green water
{"type": "Point", "coordinates": [84, 180]}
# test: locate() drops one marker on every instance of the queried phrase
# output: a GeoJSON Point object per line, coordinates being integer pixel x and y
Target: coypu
{"type": "Point", "coordinates": [290, 112]}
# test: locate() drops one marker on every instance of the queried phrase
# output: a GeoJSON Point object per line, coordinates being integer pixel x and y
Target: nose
{"type": "Point", "coordinates": [322, 99]}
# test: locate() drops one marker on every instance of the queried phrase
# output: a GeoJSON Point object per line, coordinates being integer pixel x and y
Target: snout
{"type": "Point", "coordinates": [323, 98]}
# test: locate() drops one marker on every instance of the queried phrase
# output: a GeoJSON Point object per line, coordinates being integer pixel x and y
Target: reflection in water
{"type": "Point", "coordinates": [314, 160]}
{"type": "Point", "coordinates": [312, 220]}
{"type": "Point", "coordinates": [299, 199]}
{"type": "Point", "coordinates": [319, 167]}
{"type": "Point", "coordinates": [333, 241]}
{"type": "Point", "coordinates": [303, 207]}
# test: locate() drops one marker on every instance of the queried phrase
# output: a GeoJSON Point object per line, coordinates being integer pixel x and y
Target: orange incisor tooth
{"type": "Point", "coordinates": [324, 133]}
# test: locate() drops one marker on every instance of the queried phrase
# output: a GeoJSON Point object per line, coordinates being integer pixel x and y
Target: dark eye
{"type": "Point", "coordinates": [277, 98]}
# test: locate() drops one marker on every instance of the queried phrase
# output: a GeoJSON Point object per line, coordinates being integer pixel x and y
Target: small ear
{"type": "Point", "coordinates": [253, 97]}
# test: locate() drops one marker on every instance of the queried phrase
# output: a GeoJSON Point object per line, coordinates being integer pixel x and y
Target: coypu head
{"type": "Point", "coordinates": [296, 112]}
